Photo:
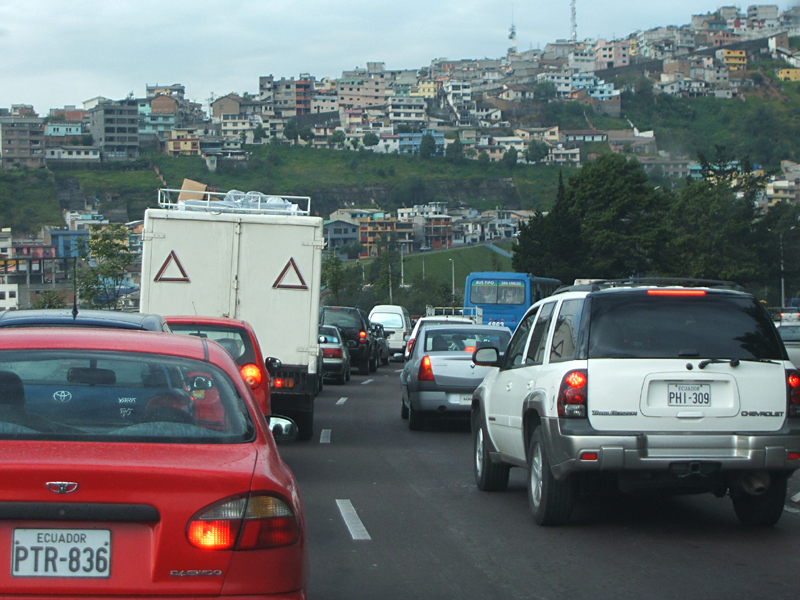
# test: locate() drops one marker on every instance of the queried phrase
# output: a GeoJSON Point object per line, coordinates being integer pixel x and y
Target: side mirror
{"type": "Point", "coordinates": [322, 339]}
{"type": "Point", "coordinates": [272, 364]}
{"type": "Point", "coordinates": [486, 357]}
{"type": "Point", "coordinates": [283, 429]}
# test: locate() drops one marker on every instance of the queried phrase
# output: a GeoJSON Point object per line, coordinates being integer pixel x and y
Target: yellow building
{"type": "Point", "coordinates": [425, 89]}
{"type": "Point", "coordinates": [735, 60]}
{"type": "Point", "coordinates": [183, 141]}
{"type": "Point", "coordinates": [789, 74]}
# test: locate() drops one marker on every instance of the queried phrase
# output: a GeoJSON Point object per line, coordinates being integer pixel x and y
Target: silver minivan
{"type": "Point", "coordinates": [396, 323]}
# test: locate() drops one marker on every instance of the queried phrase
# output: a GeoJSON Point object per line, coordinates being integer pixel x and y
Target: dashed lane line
{"type": "Point", "coordinates": [325, 436]}
{"type": "Point", "coordinates": [366, 381]}
{"type": "Point", "coordinates": [354, 524]}
{"type": "Point", "coordinates": [341, 401]}
{"type": "Point", "coordinates": [796, 498]}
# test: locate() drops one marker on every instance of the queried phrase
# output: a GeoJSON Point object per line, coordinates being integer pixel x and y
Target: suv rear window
{"type": "Point", "coordinates": [637, 325]}
{"type": "Point", "coordinates": [341, 318]}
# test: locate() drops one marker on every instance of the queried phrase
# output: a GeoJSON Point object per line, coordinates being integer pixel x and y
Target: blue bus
{"type": "Point", "coordinates": [504, 297]}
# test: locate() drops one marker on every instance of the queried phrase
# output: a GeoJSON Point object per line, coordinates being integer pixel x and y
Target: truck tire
{"type": "Point", "coordinates": [763, 510]}
{"type": "Point", "coordinates": [489, 477]}
{"type": "Point", "coordinates": [550, 500]}
{"type": "Point", "coordinates": [363, 365]}
{"type": "Point", "coordinates": [305, 425]}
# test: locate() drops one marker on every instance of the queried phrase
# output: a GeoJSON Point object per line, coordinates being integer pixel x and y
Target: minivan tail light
{"type": "Point", "coordinates": [572, 395]}
{"type": "Point", "coordinates": [793, 393]}
{"type": "Point", "coordinates": [425, 370]}
{"type": "Point", "coordinates": [253, 522]}
{"type": "Point", "coordinates": [251, 374]}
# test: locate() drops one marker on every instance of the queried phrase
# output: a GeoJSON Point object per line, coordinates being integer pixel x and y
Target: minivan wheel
{"type": "Point", "coordinates": [489, 477]}
{"type": "Point", "coordinates": [550, 500]}
{"type": "Point", "coordinates": [765, 509]}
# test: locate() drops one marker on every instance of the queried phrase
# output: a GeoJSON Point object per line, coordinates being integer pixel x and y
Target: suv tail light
{"type": "Point", "coordinates": [253, 522]}
{"type": "Point", "coordinates": [425, 371]}
{"type": "Point", "coordinates": [331, 353]}
{"type": "Point", "coordinates": [572, 395]}
{"type": "Point", "coordinates": [252, 375]}
{"type": "Point", "coordinates": [362, 337]}
{"type": "Point", "coordinates": [793, 393]}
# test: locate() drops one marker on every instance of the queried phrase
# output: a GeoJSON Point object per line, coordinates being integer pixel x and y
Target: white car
{"type": "Point", "coordinates": [436, 320]}
{"type": "Point", "coordinates": [655, 387]}
{"type": "Point", "coordinates": [396, 323]}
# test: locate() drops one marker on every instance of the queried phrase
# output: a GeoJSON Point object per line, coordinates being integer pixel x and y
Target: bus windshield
{"type": "Point", "coordinates": [497, 291]}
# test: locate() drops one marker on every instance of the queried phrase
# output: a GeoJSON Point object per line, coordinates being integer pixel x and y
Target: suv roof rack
{"type": "Point", "coordinates": [595, 285]}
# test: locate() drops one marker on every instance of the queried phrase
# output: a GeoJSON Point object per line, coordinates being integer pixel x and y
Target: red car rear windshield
{"type": "Point", "coordinates": [638, 325]}
{"type": "Point", "coordinates": [93, 395]}
{"type": "Point", "coordinates": [236, 340]}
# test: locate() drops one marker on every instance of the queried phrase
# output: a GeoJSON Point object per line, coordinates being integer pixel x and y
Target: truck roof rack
{"type": "Point", "coordinates": [595, 285]}
{"type": "Point", "coordinates": [233, 201]}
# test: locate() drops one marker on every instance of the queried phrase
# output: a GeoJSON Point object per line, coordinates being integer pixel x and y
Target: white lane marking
{"type": "Point", "coordinates": [325, 436]}
{"type": "Point", "coordinates": [354, 524]}
{"type": "Point", "coordinates": [399, 371]}
{"type": "Point", "coordinates": [796, 497]}
{"type": "Point", "coordinates": [789, 509]}
{"type": "Point", "coordinates": [341, 401]}
{"type": "Point", "coordinates": [367, 381]}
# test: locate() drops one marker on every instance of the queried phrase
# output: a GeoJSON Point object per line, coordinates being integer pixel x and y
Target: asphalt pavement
{"type": "Point", "coordinates": [396, 514]}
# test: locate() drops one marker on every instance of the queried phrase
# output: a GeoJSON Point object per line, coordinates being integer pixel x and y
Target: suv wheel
{"type": "Point", "coordinates": [363, 365]}
{"type": "Point", "coordinates": [373, 365]}
{"type": "Point", "coordinates": [765, 509]}
{"type": "Point", "coordinates": [489, 477]}
{"type": "Point", "coordinates": [550, 500]}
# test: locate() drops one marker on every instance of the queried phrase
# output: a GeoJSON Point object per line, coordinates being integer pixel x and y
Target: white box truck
{"type": "Point", "coordinates": [245, 256]}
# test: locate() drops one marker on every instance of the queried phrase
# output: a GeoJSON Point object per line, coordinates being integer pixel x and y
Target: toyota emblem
{"type": "Point", "coordinates": [62, 487]}
{"type": "Point", "coordinates": [62, 396]}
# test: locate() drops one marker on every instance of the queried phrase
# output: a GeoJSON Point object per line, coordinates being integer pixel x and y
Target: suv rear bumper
{"type": "Point", "coordinates": [567, 442]}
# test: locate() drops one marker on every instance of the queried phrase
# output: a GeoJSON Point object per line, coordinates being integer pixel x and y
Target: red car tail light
{"type": "Point", "coordinates": [676, 292]}
{"type": "Point", "coordinates": [362, 337]}
{"type": "Point", "coordinates": [572, 395]}
{"type": "Point", "coordinates": [793, 393]}
{"type": "Point", "coordinates": [331, 353]}
{"type": "Point", "coordinates": [253, 522]}
{"type": "Point", "coordinates": [425, 370]}
{"type": "Point", "coordinates": [251, 374]}
{"type": "Point", "coordinates": [469, 349]}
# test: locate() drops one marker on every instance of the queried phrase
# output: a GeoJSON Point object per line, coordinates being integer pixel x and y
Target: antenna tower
{"type": "Point", "coordinates": [573, 22]}
{"type": "Point", "coordinates": [512, 34]}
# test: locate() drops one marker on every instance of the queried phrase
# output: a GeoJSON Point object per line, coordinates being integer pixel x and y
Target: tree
{"type": "Point", "coordinates": [337, 138]}
{"type": "Point", "coordinates": [427, 146]}
{"type": "Point", "coordinates": [333, 275]}
{"type": "Point", "coordinates": [106, 260]}
{"type": "Point", "coordinates": [544, 90]}
{"type": "Point", "coordinates": [454, 152]}
{"type": "Point", "coordinates": [49, 299]}
{"type": "Point", "coordinates": [510, 158]}
{"type": "Point", "coordinates": [259, 133]}
{"type": "Point", "coordinates": [371, 139]}
{"type": "Point", "coordinates": [290, 131]}
{"type": "Point", "coordinates": [355, 143]}
{"type": "Point", "coordinates": [536, 151]}
{"type": "Point", "coordinates": [484, 160]}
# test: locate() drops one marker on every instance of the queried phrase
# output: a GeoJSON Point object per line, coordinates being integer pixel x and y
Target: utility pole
{"type": "Point", "coordinates": [402, 278]}
{"type": "Point", "coordinates": [390, 284]}
{"type": "Point", "coordinates": [453, 269]}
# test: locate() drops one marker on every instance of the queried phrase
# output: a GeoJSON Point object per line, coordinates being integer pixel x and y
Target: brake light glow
{"type": "Point", "coordinates": [793, 456]}
{"type": "Point", "coordinates": [254, 522]}
{"type": "Point", "coordinates": [793, 393]}
{"type": "Point", "coordinates": [283, 383]}
{"type": "Point", "coordinates": [251, 374]}
{"type": "Point", "coordinates": [572, 395]}
{"type": "Point", "coordinates": [362, 337]}
{"type": "Point", "coordinates": [676, 292]}
{"type": "Point", "coordinates": [425, 370]}
{"type": "Point", "coordinates": [331, 353]}
{"type": "Point", "coordinates": [469, 349]}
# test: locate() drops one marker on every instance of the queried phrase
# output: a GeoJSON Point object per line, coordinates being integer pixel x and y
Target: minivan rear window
{"type": "Point", "coordinates": [637, 325]}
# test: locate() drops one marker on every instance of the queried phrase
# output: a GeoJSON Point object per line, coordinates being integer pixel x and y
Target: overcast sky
{"type": "Point", "coordinates": [58, 52]}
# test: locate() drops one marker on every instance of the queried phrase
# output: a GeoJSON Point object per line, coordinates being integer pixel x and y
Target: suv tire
{"type": "Point", "coordinates": [363, 365]}
{"type": "Point", "coordinates": [763, 510]}
{"type": "Point", "coordinates": [550, 500]}
{"type": "Point", "coordinates": [489, 477]}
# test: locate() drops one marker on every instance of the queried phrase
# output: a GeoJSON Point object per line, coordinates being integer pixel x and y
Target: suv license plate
{"type": "Point", "coordinates": [689, 394]}
{"type": "Point", "coordinates": [61, 553]}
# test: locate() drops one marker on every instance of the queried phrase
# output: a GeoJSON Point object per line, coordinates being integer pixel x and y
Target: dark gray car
{"type": "Point", "coordinates": [64, 317]}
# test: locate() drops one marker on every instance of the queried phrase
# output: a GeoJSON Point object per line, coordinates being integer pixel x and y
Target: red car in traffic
{"type": "Point", "coordinates": [138, 464]}
{"type": "Point", "coordinates": [239, 339]}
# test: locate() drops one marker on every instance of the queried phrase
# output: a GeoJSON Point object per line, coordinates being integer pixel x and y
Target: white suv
{"type": "Point", "coordinates": [685, 388]}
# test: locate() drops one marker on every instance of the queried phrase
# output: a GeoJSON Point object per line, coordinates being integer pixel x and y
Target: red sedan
{"type": "Point", "coordinates": [138, 464]}
{"type": "Point", "coordinates": [239, 339]}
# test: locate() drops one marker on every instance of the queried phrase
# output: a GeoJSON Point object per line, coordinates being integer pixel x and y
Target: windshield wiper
{"type": "Point", "coordinates": [762, 360]}
{"type": "Point", "coordinates": [734, 362]}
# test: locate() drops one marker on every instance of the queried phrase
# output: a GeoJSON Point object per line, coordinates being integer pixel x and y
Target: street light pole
{"type": "Point", "coordinates": [453, 269]}
{"type": "Point", "coordinates": [783, 283]}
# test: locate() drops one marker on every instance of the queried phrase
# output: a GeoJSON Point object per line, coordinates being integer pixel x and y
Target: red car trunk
{"type": "Point", "coordinates": [118, 486]}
